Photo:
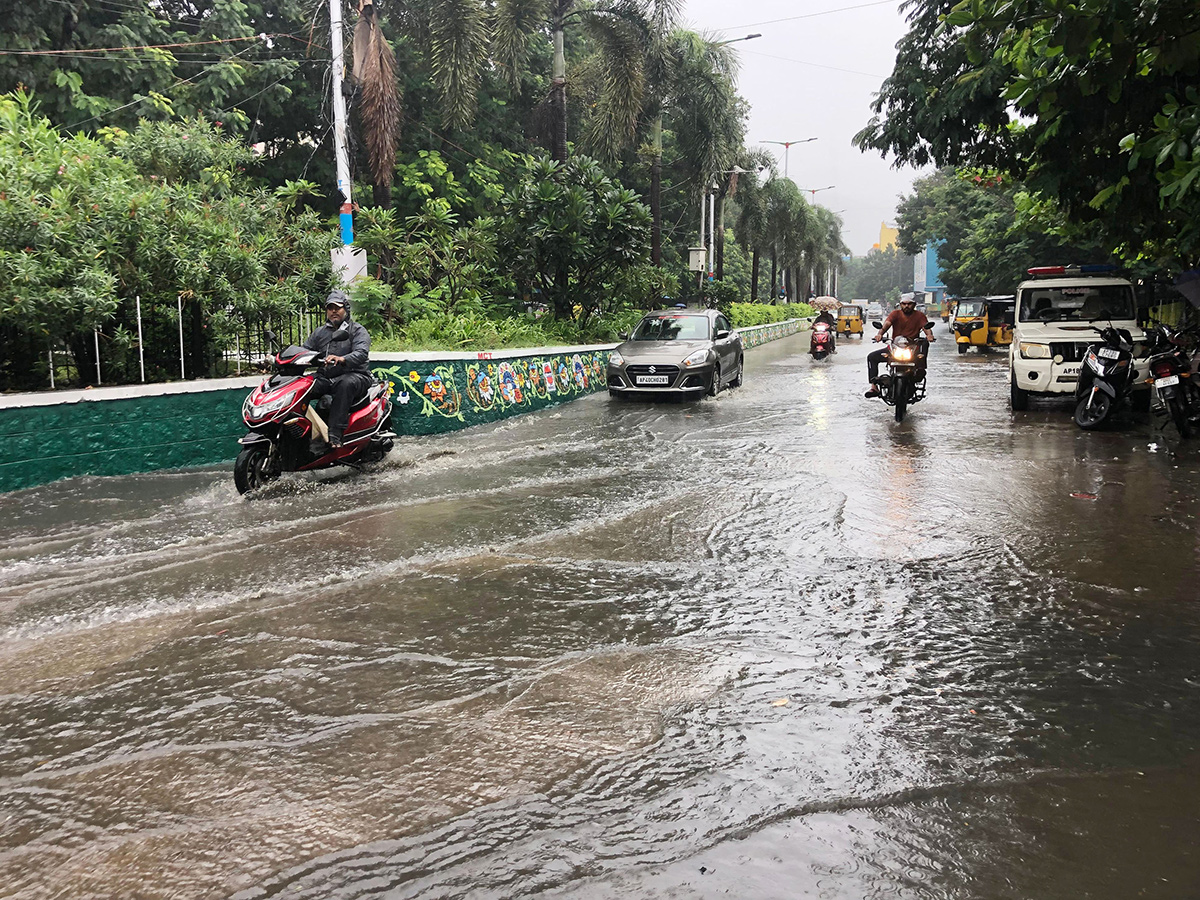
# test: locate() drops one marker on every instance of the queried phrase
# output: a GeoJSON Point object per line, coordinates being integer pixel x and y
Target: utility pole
{"type": "Point", "coordinates": [348, 263]}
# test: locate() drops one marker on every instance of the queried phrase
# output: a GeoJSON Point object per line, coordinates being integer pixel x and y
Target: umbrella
{"type": "Point", "coordinates": [829, 303]}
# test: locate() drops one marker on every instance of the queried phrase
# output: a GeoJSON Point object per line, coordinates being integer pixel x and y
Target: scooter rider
{"type": "Point", "coordinates": [346, 376]}
{"type": "Point", "coordinates": [906, 322]}
{"type": "Point", "coordinates": [825, 318]}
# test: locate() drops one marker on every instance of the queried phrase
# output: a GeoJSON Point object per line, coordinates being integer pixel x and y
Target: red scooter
{"type": "Point", "coordinates": [287, 433]}
{"type": "Point", "coordinates": [820, 345]}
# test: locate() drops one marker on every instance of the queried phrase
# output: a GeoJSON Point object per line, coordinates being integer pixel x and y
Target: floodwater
{"type": "Point", "coordinates": [769, 645]}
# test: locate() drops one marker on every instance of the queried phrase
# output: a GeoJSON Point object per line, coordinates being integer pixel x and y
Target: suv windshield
{"type": "Point", "coordinates": [672, 328]}
{"type": "Point", "coordinates": [1077, 303]}
{"type": "Point", "coordinates": [969, 308]}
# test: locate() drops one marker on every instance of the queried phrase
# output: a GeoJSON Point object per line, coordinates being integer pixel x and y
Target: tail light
{"type": "Point", "coordinates": [1162, 368]}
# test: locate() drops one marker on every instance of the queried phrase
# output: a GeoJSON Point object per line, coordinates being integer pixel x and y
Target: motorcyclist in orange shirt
{"type": "Point", "coordinates": [905, 321]}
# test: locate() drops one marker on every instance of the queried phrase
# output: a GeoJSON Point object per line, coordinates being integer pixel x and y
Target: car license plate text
{"type": "Point", "coordinates": [1069, 370]}
{"type": "Point", "coordinates": [1166, 382]}
{"type": "Point", "coordinates": [652, 379]}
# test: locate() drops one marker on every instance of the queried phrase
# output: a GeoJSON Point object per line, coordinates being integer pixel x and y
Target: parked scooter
{"type": "Point", "coordinates": [904, 382]}
{"type": "Point", "coordinates": [1105, 378]}
{"type": "Point", "coordinates": [287, 434]}
{"type": "Point", "coordinates": [1173, 376]}
{"type": "Point", "coordinates": [821, 344]}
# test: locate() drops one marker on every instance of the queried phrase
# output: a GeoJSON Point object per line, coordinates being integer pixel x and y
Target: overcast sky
{"type": "Point", "coordinates": [813, 73]}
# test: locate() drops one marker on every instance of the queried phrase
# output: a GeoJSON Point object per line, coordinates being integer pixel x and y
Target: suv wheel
{"type": "Point", "coordinates": [1017, 397]}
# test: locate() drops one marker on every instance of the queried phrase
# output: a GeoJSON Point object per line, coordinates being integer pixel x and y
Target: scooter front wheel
{"type": "Point", "coordinates": [1092, 411]}
{"type": "Point", "coordinates": [251, 469]}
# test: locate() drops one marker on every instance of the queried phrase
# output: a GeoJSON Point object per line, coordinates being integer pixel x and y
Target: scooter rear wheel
{"type": "Point", "coordinates": [250, 469]}
{"type": "Point", "coordinates": [1179, 417]}
{"type": "Point", "coordinates": [1092, 417]}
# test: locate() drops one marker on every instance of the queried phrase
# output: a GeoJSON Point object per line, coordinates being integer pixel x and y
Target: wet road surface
{"type": "Point", "coordinates": [769, 645]}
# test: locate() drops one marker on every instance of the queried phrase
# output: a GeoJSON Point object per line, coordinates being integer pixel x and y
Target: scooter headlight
{"type": "Point", "coordinates": [267, 408]}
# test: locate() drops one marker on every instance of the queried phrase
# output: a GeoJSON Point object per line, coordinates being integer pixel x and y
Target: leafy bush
{"type": "Point", "coordinates": [747, 315]}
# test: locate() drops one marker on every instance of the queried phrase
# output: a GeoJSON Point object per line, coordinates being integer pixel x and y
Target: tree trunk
{"type": "Point", "coordinates": [774, 278]}
{"type": "Point", "coordinates": [720, 237]}
{"type": "Point", "coordinates": [754, 276]}
{"type": "Point", "coordinates": [558, 90]}
{"type": "Point", "coordinates": [656, 194]}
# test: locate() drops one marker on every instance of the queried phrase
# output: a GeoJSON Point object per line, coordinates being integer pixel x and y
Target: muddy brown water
{"type": "Point", "coordinates": [768, 645]}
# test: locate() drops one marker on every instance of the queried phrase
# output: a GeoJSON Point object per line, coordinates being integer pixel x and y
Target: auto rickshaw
{"type": "Point", "coordinates": [984, 321]}
{"type": "Point", "coordinates": [850, 320]}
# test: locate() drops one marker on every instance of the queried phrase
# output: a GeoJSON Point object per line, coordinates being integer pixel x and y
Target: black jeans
{"type": "Point", "coordinates": [345, 389]}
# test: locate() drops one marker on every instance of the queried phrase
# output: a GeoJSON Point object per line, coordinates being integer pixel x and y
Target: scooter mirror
{"type": "Point", "coordinates": [876, 324]}
{"type": "Point", "coordinates": [270, 336]}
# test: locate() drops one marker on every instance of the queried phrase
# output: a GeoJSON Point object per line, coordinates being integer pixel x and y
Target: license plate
{"type": "Point", "coordinates": [1166, 382]}
{"type": "Point", "coordinates": [1109, 353]}
{"type": "Point", "coordinates": [1069, 370]}
{"type": "Point", "coordinates": [652, 379]}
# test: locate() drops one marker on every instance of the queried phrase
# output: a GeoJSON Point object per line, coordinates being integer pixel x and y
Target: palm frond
{"type": "Point", "coordinates": [622, 38]}
{"type": "Point", "coordinates": [375, 69]}
{"type": "Point", "coordinates": [458, 49]}
{"type": "Point", "coordinates": [512, 23]}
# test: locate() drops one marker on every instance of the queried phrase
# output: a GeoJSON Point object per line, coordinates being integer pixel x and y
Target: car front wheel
{"type": "Point", "coordinates": [714, 385]}
{"type": "Point", "coordinates": [736, 381]}
{"type": "Point", "coordinates": [1018, 398]}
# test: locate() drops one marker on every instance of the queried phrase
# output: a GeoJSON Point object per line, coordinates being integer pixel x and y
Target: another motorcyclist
{"type": "Point", "coordinates": [826, 318]}
{"type": "Point", "coordinates": [904, 321]}
{"type": "Point", "coordinates": [346, 376]}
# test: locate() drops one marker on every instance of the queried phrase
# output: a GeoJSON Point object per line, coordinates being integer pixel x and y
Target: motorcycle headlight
{"type": "Point", "coordinates": [699, 358]}
{"type": "Point", "coordinates": [616, 359]}
{"type": "Point", "coordinates": [1035, 351]}
{"type": "Point", "coordinates": [902, 354]}
{"type": "Point", "coordinates": [267, 408]}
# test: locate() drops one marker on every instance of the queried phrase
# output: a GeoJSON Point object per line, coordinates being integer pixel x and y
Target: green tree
{"type": "Point", "coordinates": [1088, 103]}
{"type": "Point", "coordinates": [567, 229]}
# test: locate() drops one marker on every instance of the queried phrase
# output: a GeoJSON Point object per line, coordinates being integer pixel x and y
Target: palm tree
{"type": "Point", "coordinates": [458, 53]}
{"type": "Point", "coordinates": [751, 226]}
{"type": "Point", "coordinates": [375, 71]}
{"type": "Point", "coordinates": [746, 166]}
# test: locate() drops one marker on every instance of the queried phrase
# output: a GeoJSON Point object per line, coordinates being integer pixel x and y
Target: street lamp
{"type": "Point", "coordinates": [813, 191]}
{"type": "Point", "coordinates": [748, 37]}
{"type": "Point", "coordinates": [786, 146]}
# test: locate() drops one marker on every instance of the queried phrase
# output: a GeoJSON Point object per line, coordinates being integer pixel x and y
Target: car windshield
{"type": "Point", "coordinates": [672, 328]}
{"type": "Point", "coordinates": [968, 308]}
{"type": "Point", "coordinates": [1077, 303]}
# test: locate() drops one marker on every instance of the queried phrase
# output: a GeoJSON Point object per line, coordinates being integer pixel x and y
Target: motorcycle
{"type": "Point", "coordinates": [1105, 378]}
{"type": "Point", "coordinates": [821, 345]}
{"type": "Point", "coordinates": [1173, 378]}
{"type": "Point", "coordinates": [287, 434]}
{"type": "Point", "coordinates": [904, 382]}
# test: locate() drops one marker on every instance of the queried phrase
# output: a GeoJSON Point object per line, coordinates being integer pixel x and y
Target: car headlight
{"type": "Point", "coordinates": [1035, 351]}
{"type": "Point", "coordinates": [616, 359]}
{"type": "Point", "coordinates": [699, 358]}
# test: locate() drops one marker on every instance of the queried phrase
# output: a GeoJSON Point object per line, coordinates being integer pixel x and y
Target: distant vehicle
{"type": "Point", "coordinates": [677, 352]}
{"type": "Point", "coordinates": [983, 321]}
{"type": "Point", "coordinates": [875, 310]}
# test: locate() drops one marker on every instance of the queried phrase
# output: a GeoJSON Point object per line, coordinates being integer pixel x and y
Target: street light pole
{"type": "Point", "coordinates": [813, 191]}
{"type": "Point", "coordinates": [787, 145]}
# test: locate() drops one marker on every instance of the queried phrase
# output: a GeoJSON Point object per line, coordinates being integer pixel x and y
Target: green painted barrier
{"type": "Point", "coordinates": [123, 430]}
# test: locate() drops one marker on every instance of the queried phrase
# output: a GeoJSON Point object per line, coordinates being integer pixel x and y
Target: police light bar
{"type": "Point", "coordinates": [1094, 269]}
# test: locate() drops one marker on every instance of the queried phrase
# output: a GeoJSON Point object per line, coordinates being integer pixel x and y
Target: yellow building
{"type": "Point", "coordinates": [888, 236]}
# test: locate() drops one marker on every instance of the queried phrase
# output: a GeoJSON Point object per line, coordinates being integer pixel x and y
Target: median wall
{"type": "Point", "coordinates": [122, 430]}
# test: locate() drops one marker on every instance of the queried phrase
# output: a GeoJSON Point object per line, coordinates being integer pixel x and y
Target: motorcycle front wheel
{"type": "Point", "coordinates": [1093, 415]}
{"type": "Point", "coordinates": [901, 388]}
{"type": "Point", "coordinates": [251, 468]}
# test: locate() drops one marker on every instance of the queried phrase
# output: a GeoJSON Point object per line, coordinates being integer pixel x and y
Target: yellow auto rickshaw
{"type": "Point", "coordinates": [850, 320]}
{"type": "Point", "coordinates": [984, 321]}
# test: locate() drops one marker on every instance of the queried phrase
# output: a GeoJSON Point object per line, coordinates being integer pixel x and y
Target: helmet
{"type": "Point", "coordinates": [338, 298]}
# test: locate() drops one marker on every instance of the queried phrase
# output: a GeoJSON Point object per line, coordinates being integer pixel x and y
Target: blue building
{"type": "Point", "coordinates": [927, 275]}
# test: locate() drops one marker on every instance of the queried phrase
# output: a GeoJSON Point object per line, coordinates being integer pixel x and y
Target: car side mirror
{"type": "Point", "coordinates": [624, 335]}
{"type": "Point", "coordinates": [722, 334]}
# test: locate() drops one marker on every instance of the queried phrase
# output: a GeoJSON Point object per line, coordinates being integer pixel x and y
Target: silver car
{"type": "Point", "coordinates": [684, 352]}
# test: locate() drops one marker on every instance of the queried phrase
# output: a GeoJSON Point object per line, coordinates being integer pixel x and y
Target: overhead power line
{"type": "Point", "coordinates": [826, 12]}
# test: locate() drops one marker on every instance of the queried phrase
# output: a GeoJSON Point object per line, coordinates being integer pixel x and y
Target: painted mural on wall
{"type": "Point", "coordinates": [433, 398]}
{"type": "Point", "coordinates": [762, 334]}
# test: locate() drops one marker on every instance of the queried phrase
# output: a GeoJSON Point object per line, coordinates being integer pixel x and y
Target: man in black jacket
{"type": "Point", "coordinates": [346, 376]}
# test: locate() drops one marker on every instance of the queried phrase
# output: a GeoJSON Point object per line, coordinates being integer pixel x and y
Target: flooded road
{"type": "Point", "coordinates": [769, 645]}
